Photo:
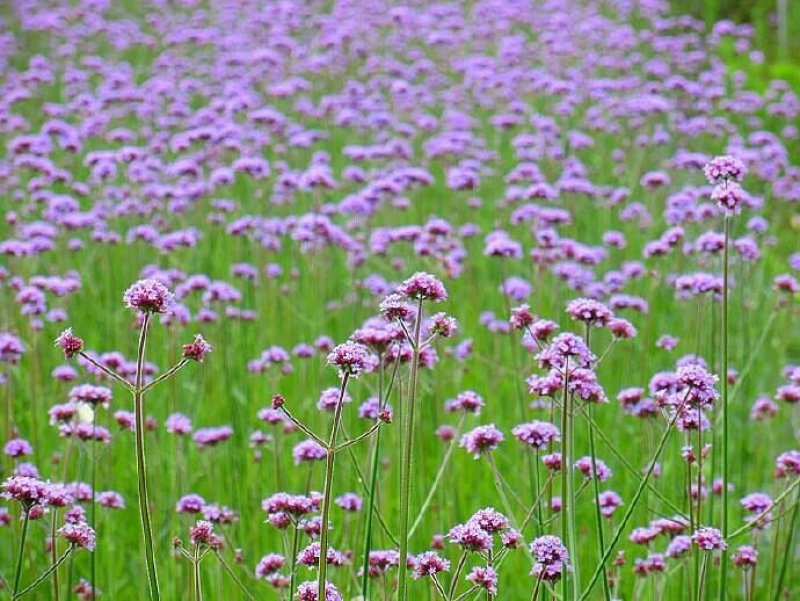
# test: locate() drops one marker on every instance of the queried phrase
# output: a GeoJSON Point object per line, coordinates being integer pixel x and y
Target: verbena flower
{"type": "Point", "coordinates": [149, 296]}
{"type": "Point", "coordinates": [69, 343]}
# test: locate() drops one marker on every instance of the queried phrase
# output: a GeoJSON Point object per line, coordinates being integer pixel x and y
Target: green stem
{"type": "Point", "coordinates": [18, 573]}
{"type": "Point", "coordinates": [565, 474]}
{"type": "Point", "coordinates": [51, 570]}
{"type": "Point", "coordinates": [597, 513]}
{"type": "Point", "coordinates": [293, 561]}
{"type": "Point", "coordinates": [54, 552]}
{"type": "Point", "coordinates": [326, 500]}
{"type": "Point", "coordinates": [93, 510]}
{"type": "Point", "coordinates": [197, 584]}
{"type": "Point", "coordinates": [141, 466]}
{"type": "Point", "coordinates": [233, 576]}
{"type": "Point", "coordinates": [724, 558]}
{"type": "Point", "coordinates": [373, 482]}
{"type": "Point", "coordinates": [408, 453]}
{"type": "Point", "coordinates": [789, 551]}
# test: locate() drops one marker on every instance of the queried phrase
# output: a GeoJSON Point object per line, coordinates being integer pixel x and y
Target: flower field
{"type": "Point", "coordinates": [396, 301]}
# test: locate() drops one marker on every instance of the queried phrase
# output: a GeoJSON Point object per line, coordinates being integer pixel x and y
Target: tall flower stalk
{"type": "Point", "coordinates": [725, 172]}
{"type": "Point", "coordinates": [330, 460]}
{"type": "Point", "coordinates": [419, 287]}
{"type": "Point", "coordinates": [407, 447]}
{"type": "Point", "coordinates": [141, 464]}
{"type": "Point", "coordinates": [146, 297]}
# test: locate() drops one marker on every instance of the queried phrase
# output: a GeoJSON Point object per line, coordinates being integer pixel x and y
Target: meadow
{"type": "Point", "coordinates": [506, 288]}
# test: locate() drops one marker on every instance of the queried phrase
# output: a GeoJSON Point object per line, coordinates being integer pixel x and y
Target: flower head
{"type": "Point", "coordinates": [709, 539]}
{"type": "Point", "coordinates": [724, 168]}
{"type": "Point", "coordinates": [197, 349]}
{"type": "Point", "coordinates": [351, 358]}
{"type": "Point", "coordinates": [69, 343]}
{"type": "Point", "coordinates": [485, 578]}
{"type": "Point", "coordinates": [149, 296]}
{"type": "Point", "coordinates": [481, 440]}
{"type": "Point", "coordinates": [78, 535]}
{"type": "Point", "coordinates": [550, 558]}
{"type": "Point", "coordinates": [423, 286]}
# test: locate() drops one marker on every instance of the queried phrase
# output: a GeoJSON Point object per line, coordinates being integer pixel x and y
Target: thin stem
{"type": "Point", "coordinates": [754, 521]}
{"type": "Point", "coordinates": [303, 427]}
{"type": "Point", "coordinates": [565, 474]}
{"type": "Point", "coordinates": [141, 466]}
{"type": "Point", "coordinates": [326, 500]}
{"type": "Point", "coordinates": [359, 438]}
{"type": "Point", "coordinates": [166, 375]}
{"type": "Point", "coordinates": [54, 552]}
{"type": "Point", "coordinates": [725, 275]}
{"type": "Point", "coordinates": [788, 552]}
{"type": "Point", "coordinates": [405, 467]}
{"type": "Point", "coordinates": [535, 595]}
{"type": "Point", "coordinates": [109, 372]}
{"type": "Point", "coordinates": [93, 510]}
{"type": "Point", "coordinates": [597, 513]}
{"type": "Point", "coordinates": [293, 561]}
{"type": "Point", "coordinates": [18, 573]}
{"type": "Point", "coordinates": [52, 569]}
{"type": "Point", "coordinates": [197, 584]}
{"type": "Point", "coordinates": [498, 484]}
{"type": "Point", "coordinates": [454, 581]}
{"type": "Point", "coordinates": [233, 575]}
{"type": "Point", "coordinates": [373, 481]}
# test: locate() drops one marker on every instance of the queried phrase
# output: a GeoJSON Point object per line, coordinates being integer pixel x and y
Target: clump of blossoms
{"type": "Point", "coordinates": [147, 298]}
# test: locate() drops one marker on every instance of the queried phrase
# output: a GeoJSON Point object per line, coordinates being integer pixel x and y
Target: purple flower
{"type": "Point", "coordinates": [351, 358]}
{"type": "Point", "coordinates": [308, 591]}
{"type": "Point", "coordinates": [349, 502]}
{"type": "Point", "coordinates": [745, 557]}
{"type": "Point", "coordinates": [679, 546]}
{"type": "Point", "coordinates": [197, 349]}
{"type": "Point", "coordinates": [709, 539]}
{"type": "Point", "coordinates": [202, 535]}
{"type": "Point", "coordinates": [190, 503]}
{"type": "Point", "coordinates": [584, 465]}
{"type": "Point", "coordinates": [429, 564]}
{"type": "Point", "coordinates": [724, 168]}
{"type": "Point", "coordinates": [566, 347]}
{"type": "Point", "coordinates": [148, 296]}
{"type": "Point", "coordinates": [177, 423]}
{"type": "Point", "coordinates": [18, 447]}
{"type": "Point", "coordinates": [536, 434]}
{"type": "Point", "coordinates": [471, 537]}
{"type": "Point", "coordinates": [729, 197]}
{"type": "Point", "coordinates": [550, 558]}
{"type": "Point", "coordinates": [485, 578]}
{"type": "Point", "coordinates": [269, 564]}
{"type": "Point", "coordinates": [78, 535]}
{"type": "Point", "coordinates": [468, 401]}
{"type": "Point", "coordinates": [69, 343]}
{"type": "Point", "coordinates": [91, 395]}
{"type": "Point", "coordinates": [589, 311]}
{"type": "Point", "coordinates": [423, 286]}
{"type": "Point", "coordinates": [442, 325]}
{"type": "Point", "coordinates": [28, 491]}
{"type": "Point", "coordinates": [482, 439]}
{"type": "Point", "coordinates": [308, 450]}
